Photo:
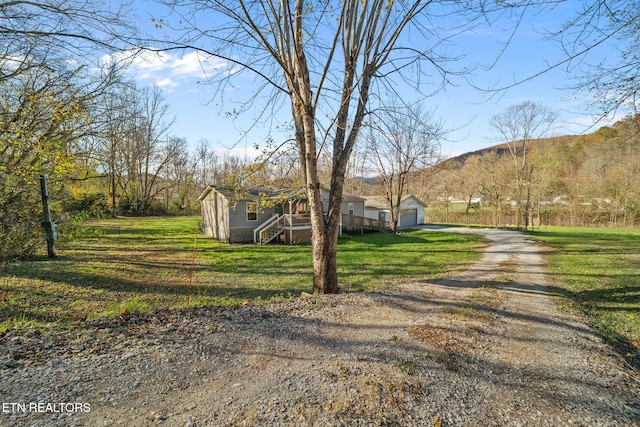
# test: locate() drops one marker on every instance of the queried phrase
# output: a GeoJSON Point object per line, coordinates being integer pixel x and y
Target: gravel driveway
{"type": "Point", "coordinates": [486, 347]}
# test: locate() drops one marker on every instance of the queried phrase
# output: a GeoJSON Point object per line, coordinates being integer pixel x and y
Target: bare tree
{"type": "Point", "coordinates": [469, 182]}
{"type": "Point", "coordinates": [517, 126]}
{"type": "Point", "coordinates": [546, 183]}
{"type": "Point", "coordinates": [37, 34]}
{"type": "Point", "coordinates": [403, 139]}
{"type": "Point", "coordinates": [611, 25]}
{"type": "Point", "coordinates": [358, 177]}
{"type": "Point", "coordinates": [113, 122]}
{"type": "Point", "coordinates": [444, 185]}
{"type": "Point", "coordinates": [179, 173]}
{"type": "Point", "coordinates": [494, 183]}
{"type": "Point", "coordinates": [144, 147]}
{"type": "Point", "coordinates": [611, 173]}
{"type": "Point", "coordinates": [206, 159]}
{"type": "Point", "coordinates": [277, 168]}
{"type": "Point", "coordinates": [328, 59]}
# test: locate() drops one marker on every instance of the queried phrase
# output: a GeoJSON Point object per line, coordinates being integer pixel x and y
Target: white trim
{"type": "Point", "coordinates": [246, 211]}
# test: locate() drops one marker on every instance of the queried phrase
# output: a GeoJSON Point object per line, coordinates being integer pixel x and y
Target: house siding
{"type": "Point", "coordinates": [241, 230]}
{"type": "Point", "coordinates": [214, 220]}
{"type": "Point", "coordinates": [358, 207]}
{"type": "Point", "coordinates": [374, 213]}
{"type": "Point", "coordinates": [238, 218]}
{"type": "Point", "coordinates": [228, 222]}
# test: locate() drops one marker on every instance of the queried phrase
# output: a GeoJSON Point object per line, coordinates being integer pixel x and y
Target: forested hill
{"type": "Point", "coordinates": [550, 143]}
{"type": "Point", "coordinates": [593, 179]}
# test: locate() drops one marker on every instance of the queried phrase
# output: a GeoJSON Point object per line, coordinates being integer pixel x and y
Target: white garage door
{"type": "Point", "coordinates": [408, 218]}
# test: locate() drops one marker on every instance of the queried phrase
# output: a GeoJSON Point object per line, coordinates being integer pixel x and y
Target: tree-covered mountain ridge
{"type": "Point", "coordinates": [589, 179]}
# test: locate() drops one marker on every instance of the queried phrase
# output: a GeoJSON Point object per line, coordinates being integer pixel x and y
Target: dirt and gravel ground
{"type": "Point", "coordinates": [486, 347]}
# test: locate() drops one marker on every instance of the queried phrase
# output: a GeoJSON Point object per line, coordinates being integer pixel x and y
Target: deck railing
{"type": "Point", "coordinates": [299, 220]}
{"type": "Point", "coordinates": [258, 229]}
{"type": "Point", "coordinates": [364, 223]}
{"type": "Point", "coordinates": [271, 231]}
{"type": "Point", "coordinates": [275, 225]}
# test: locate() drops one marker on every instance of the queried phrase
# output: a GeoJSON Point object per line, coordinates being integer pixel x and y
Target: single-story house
{"type": "Point", "coordinates": [411, 210]}
{"type": "Point", "coordinates": [261, 214]}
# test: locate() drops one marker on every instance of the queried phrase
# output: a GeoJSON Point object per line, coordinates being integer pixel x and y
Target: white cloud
{"type": "Point", "coordinates": [167, 70]}
{"type": "Point", "coordinates": [166, 83]}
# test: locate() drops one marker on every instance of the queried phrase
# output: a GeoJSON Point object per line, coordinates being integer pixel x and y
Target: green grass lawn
{"type": "Point", "coordinates": [146, 264]}
{"type": "Point", "coordinates": [598, 270]}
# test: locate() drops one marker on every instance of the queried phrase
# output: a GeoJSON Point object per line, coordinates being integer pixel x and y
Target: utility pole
{"type": "Point", "coordinates": [48, 224]}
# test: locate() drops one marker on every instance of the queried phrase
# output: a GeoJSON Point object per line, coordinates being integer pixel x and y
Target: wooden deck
{"type": "Point", "coordinates": [278, 225]}
{"type": "Point", "coordinates": [363, 223]}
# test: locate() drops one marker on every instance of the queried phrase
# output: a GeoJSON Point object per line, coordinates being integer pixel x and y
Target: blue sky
{"type": "Point", "coordinates": [462, 108]}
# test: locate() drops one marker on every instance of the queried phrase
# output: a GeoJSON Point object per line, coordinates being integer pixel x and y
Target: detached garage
{"type": "Point", "coordinates": [411, 210]}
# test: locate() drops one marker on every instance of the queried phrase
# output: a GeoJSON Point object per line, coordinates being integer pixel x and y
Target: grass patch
{"type": "Point", "coordinates": [145, 264]}
{"type": "Point", "coordinates": [598, 270]}
{"type": "Point", "coordinates": [376, 260]}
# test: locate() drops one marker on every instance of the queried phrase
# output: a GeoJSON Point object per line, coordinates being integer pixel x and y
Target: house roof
{"type": "Point", "coordinates": [380, 202]}
{"type": "Point", "coordinates": [252, 193]}
{"type": "Point", "coordinates": [376, 202]}
{"type": "Point", "coordinates": [346, 197]}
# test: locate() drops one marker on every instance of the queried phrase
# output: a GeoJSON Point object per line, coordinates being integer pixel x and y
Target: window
{"type": "Point", "coordinates": [252, 211]}
{"type": "Point", "coordinates": [351, 208]}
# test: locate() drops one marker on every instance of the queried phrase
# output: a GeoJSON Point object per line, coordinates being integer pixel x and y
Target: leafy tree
{"type": "Point", "coordinates": [41, 115]}
{"type": "Point", "coordinates": [45, 93]}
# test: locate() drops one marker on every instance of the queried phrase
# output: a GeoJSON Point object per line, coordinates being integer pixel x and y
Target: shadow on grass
{"type": "Point", "coordinates": [155, 269]}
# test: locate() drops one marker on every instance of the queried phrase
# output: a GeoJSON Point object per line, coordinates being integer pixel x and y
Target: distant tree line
{"type": "Point", "coordinates": [587, 180]}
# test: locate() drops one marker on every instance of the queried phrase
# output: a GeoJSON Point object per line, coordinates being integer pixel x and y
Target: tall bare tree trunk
{"type": "Point", "coordinates": [325, 272]}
